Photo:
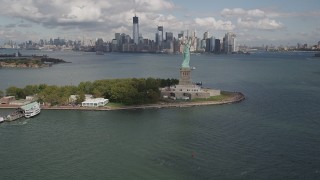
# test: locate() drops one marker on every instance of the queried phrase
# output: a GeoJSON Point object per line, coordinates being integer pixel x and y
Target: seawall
{"type": "Point", "coordinates": [235, 98]}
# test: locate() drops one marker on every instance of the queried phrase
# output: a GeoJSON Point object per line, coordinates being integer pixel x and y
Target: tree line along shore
{"type": "Point", "coordinates": [130, 91]}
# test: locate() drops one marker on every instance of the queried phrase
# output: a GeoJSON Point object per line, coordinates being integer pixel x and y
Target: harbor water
{"type": "Point", "coordinates": [273, 134]}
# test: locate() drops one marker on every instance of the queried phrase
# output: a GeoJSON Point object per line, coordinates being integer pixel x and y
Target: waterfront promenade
{"type": "Point", "coordinates": [234, 98]}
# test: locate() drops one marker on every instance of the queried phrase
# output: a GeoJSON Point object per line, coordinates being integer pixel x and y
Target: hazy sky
{"type": "Point", "coordinates": [255, 22]}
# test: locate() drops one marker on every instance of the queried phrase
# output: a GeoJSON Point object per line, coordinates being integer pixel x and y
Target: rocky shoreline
{"type": "Point", "coordinates": [234, 98]}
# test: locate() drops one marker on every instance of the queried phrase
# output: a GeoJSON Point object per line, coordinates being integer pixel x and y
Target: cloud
{"type": "Point", "coordinates": [262, 24]}
{"type": "Point", "coordinates": [315, 14]}
{"type": "Point", "coordinates": [84, 13]}
{"type": "Point", "coordinates": [211, 23]}
{"type": "Point", "coordinates": [253, 13]}
{"type": "Point", "coordinates": [153, 5]}
{"type": "Point", "coordinates": [25, 25]}
{"type": "Point", "coordinates": [253, 19]}
{"type": "Point", "coordinates": [256, 13]}
{"type": "Point", "coordinates": [15, 35]}
{"type": "Point", "coordinates": [91, 15]}
{"type": "Point", "coordinates": [232, 12]}
{"type": "Point", "coordinates": [150, 24]}
{"type": "Point", "coordinates": [60, 13]}
{"type": "Point", "coordinates": [10, 25]}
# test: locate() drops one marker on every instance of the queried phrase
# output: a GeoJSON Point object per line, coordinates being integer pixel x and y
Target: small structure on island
{"type": "Point", "coordinates": [186, 90]}
{"type": "Point", "coordinates": [94, 102]}
{"type": "Point", "coordinates": [11, 100]}
{"type": "Point", "coordinates": [7, 99]}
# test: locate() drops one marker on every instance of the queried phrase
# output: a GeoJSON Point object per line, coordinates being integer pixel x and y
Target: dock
{"type": "Point", "coordinates": [16, 114]}
{"type": "Point", "coordinates": [28, 110]}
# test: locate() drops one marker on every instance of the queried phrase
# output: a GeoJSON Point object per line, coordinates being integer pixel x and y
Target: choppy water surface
{"type": "Point", "coordinates": [273, 134]}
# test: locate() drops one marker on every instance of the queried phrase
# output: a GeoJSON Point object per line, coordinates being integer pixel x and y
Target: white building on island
{"type": "Point", "coordinates": [95, 102]}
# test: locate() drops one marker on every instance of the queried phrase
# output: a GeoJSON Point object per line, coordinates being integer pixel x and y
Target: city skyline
{"type": "Point", "coordinates": [281, 22]}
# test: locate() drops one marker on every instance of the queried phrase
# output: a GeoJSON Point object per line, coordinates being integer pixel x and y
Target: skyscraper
{"type": "Point", "coordinates": [229, 43]}
{"type": "Point", "coordinates": [180, 35]}
{"type": "Point", "coordinates": [169, 36]}
{"type": "Point", "coordinates": [160, 34]}
{"type": "Point", "coordinates": [135, 34]}
{"type": "Point", "coordinates": [206, 35]}
{"type": "Point", "coordinates": [217, 46]}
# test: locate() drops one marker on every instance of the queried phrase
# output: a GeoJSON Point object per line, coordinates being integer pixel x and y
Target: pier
{"type": "Point", "coordinates": [16, 114]}
{"type": "Point", "coordinates": [28, 110]}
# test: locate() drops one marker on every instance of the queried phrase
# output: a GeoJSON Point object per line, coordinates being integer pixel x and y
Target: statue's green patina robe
{"type": "Point", "coordinates": [186, 54]}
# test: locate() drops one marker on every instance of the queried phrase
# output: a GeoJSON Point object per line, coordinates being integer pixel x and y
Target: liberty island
{"type": "Point", "coordinates": [190, 93]}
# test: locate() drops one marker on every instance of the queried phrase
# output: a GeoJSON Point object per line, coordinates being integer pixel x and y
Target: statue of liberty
{"type": "Point", "coordinates": [186, 52]}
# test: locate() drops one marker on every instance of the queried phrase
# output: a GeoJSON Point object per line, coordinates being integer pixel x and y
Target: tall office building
{"type": "Point", "coordinates": [135, 34]}
{"type": "Point", "coordinates": [206, 35]}
{"type": "Point", "coordinates": [208, 45]}
{"type": "Point", "coordinates": [212, 41]}
{"type": "Point", "coordinates": [169, 36]}
{"type": "Point", "coordinates": [229, 43]}
{"type": "Point", "coordinates": [217, 46]}
{"type": "Point", "coordinates": [160, 34]}
{"type": "Point", "coordinates": [180, 35]}
{"type": "Point", "coordinates": [203, 44]}
{"type": "Point", "coordinates": [157, 38]}
{"type": "Point", "coordinates": [117, 36]}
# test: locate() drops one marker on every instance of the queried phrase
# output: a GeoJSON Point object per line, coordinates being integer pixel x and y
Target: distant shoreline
{"type": "Point", "coordinates": [234, 98]}
{"type": "Point", "coordinates": [30, 62]}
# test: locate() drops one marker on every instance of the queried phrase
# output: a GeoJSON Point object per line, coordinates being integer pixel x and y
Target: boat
{"type": "Point", "coordinates": [193, 68]}
{"type": "Point", "coordinates": [31, 109]}
{"type": "Point", "coordinates": [1, 119]}
{"type": "Point", "coordinates": [199, 83]}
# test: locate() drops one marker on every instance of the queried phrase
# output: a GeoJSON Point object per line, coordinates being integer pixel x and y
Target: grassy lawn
{"type": "Point", "coordinates": [223, 96]}
{"type": "Point", "coordinates": [115, 105]}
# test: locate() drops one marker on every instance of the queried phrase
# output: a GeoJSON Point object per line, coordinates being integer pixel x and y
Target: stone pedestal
{"type": "Point", "coordinates": [185, 76]}
{"type": "Point", "coordinates": [185, 90]}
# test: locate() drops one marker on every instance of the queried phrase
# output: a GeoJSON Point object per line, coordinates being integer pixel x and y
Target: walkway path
{"type": "Point", "coordinates": [236, 97]}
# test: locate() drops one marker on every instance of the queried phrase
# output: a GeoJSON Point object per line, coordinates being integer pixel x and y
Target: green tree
{"type": "Point", "coordinates": [42, 87]}
{"type": "Point", "coordinates": [50, 95]}
{"type": "Point", "coordinates": [80, 98]}
{"type": "Point", "coordinates": [17, 92]}
{"type": "Point", "coordinates": [97, 92]}
{"type": "Point", "coordinates": [153, 96]}
{"type": "Point", "coordinates": [12, 91]}
{"type": "Point", "coordinates": [168, 82]}
{"type": "Point", "coordinates": [31, 90]}
{"type": "Point", "coordinates": [153, 84]}
{"type": "Point", "coordinates": [1, 93]}
{"type": "Point", "coordinates": [127, 91]}
{"type": "Point", "coordinates": [124, 92]}
{"type": "Point", "coordinates": [85, 87]}
{"type": "Point", "coordinates": [102, 88]}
